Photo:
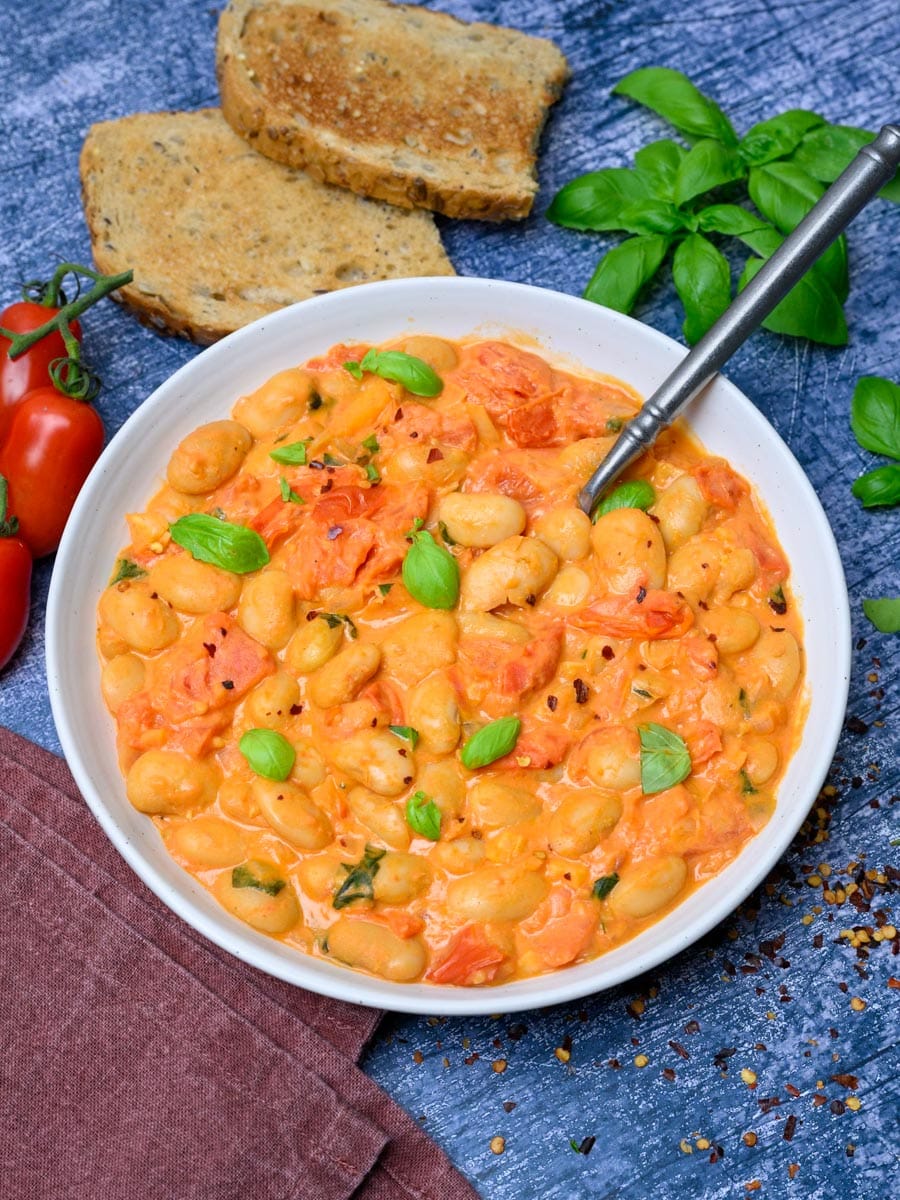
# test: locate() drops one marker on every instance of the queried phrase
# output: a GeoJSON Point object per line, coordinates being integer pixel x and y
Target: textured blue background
{"type": "Point", "coordinates": [786, 1012]}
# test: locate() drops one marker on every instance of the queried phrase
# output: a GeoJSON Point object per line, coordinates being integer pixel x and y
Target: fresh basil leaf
{"type": "Point", "coordinates": [879, 488]}
{"type": "Point", "coordinates": [777, 137]}
{"type": "Point", "coordinates": [810, 309]}
{"type": "Point", "coordinates": [665, 759]}
{"type": "Point", "coordinates": [288, 495]}
{"type": "Point", "coordinates": [126, 569]}
{"type": "Point", "coordinates": [430, 572]}
{"type": "Point", "coordinates": [292, 455]}
{"type": "Point", "coordinates": [410, 372]}
{"type": "Point", "coordinates": [674, 97]}
{"type": "Point", "coordinates": [372, 473]}
{"type": "Point", "coordinates": [604, 885]}
{"type": "Point", "coordinates": [251, 875]}
{"type": "Point", "coordinates": [596, 200]}
{"type": "Point", "coordinates": [355, 369]}
{"type": "Point", "coordinates": [423, 816]}
{"type": "Point", "coordinates": [703, 282]}
{"type": "Point", "coordinates": [624, 270]}
{"type": "Point", "coordinates": [884, 614]}
{"type": "Point", "coordinates": [333, 620]}
{"type": "Point", "coordinates": [747, 788]}
{"type": "Point", "coordinates": [658, 164]}
{"type": "Point", "coordinates": [636, 493]}
{"type": "Point", "coordinates": [653, 216]}
{"type": "Point", "coordinates": [785, 193]}
{"type": "Point", "coordinates": [875, 415]}
{"type": "Point", "coordinates": [360, 881]}
{"type": "Point", "coordinates": [385, 588]}
{"type": "Point", "coordinates": [828, 150]}
{"type": "Point", "coordinates": [232, 547]}
{"type": "Point", "coordinates": [491, 742]}
{"type": "Point", "coordinates": [407, 733]}
{"type": "Point", "coordinates": [707, 165]}
{"type": "Point", "coordinates": [268, 753]}
{"type": "Point", "coordinates": [371, 444]}
{"type": "Point", "coordinates": [731, 220]}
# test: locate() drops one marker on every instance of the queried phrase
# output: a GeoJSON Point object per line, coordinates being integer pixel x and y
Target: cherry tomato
{"type": "Point", "coordinates": [30, 370]}
{"type": "Point", "coordinates": [51, 445]}
{"type": "Point", "coordinates": [15, 583]}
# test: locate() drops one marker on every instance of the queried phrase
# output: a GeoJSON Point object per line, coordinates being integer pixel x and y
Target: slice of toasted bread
{"type": "Point", "coordinates": [218, 235]}
{"type": "Point", "coordinates": [401, 103]}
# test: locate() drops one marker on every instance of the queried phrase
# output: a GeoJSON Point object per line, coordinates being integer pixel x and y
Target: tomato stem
{"type": "Point", "coordinates": [103, 285]}
{"type": "Point", "coordinates": [9, 526]}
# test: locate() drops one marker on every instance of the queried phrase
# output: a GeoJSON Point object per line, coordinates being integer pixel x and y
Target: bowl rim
{"type": "Point", "coordinates": [344, 983]}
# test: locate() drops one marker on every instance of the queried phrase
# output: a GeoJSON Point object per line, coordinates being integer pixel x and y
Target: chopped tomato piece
{"type": "Point", "coordinates": [404, 924]}
{"type": "Point", "coordinates": [702, 656]}
{"type": "Point", "coordinates": [704, 739]}
{"type": "Point", "coordinates": [499, 674]}
{"type": "Point", "coordinates": [560, 928]}
{"type": "Point", "coordinates": [277, 522]}
{"type": "Point", "coordinates": [337, 356]}
{"type": "Point", "coordinates": [469, 960]}
{"type": "Point", "coordinates": [427, 427]}
{"type": "Point", "coordinates": [535, 423]}
{"type": "Point", "coordinates": [317, 560]}
{"type": "Point", "coordinates": [720, 485]}
{"type": "Point", "coordinates": [503, 377]}
{"type": "Point", "coordinates": [539, 746]}
{"type": "Point", "coordinates": [657, 614]}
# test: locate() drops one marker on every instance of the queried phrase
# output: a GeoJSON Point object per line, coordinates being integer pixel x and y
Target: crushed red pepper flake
{"type": "Point", "coordinates": [790, 1127]}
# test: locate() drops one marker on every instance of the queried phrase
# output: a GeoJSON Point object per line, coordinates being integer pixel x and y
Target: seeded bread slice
{"type": "Point", "coordinates": [218, 235]}
{"type": "Point", "coordinates": [393, 101]}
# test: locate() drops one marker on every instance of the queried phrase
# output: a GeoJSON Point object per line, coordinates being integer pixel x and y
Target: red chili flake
{"type": "Point", "coordinates": [790, 1127]}
{"type": "Point", "coordinates": [434, 455]}
{"type": "Point", "coordinates": [582, 694]}
{"type": "Point", "coordinates": [326, 487]}
{"type": "Point", "coordinates": [473, 1058]}
{"type": "Point", "coordinates": [334, 532]}
{"type": "Point", "coordinates": [398, 415]}
{"type": "Point", "coordinates": [777, 628]}
{"type": "Point", "coordinates": [586, 1146]}
{"type": "Point", "coordinates": [608, 653]}
{"type": "Point", "coordinates": [531, 600]}
{"type": "Point", "coordinates": [402, 752]}
{"type": "Point", "coordinates": [509, 1105]}
{"type": "Point", "coordinates": [856, 725]}
{"type": "Point", "coordinates": [210, 648]}
{"type": "Point", "coordinates": [679, 1050]}
{"type": "Point", "coordinates": [767, 1103]}
{"type": "Point", "coordinates": [296, 710]}
{"type": "Point", "coordinates": [700, 604]}
{"type": "Point", "coordinates": [669, 1074]}
{"type": "Point", "coordinates": [154, 595]}
{"type": "Point", "coordinates": [838, 1107]}
{"type": "Point", "coordinates": [615, 1064]}
{"type": "Point", "coordinates": [228, 684]}
{"type": "Point", "coordinates": [641, 595]}
{"type": "Point", "coordinates": [516, 1032]}
{"type": "Point", "coordinates": [566, 1043]}
{"type": "Point", "coordinates": [792, 1091]}
{"type": "Point", "coordinates": [848, 1081]}
{"type": "Point", "coordinates": [818, 1100]}
{"type": "Point", "coordinates": [893, 982]}
{"type": "Point", "coordinates": [552, 703]}
{"type": "Point", "coordinates": [407, 779]}
{"type": "Point", "coordinates": [315, 465]}
{"type": "Point", "coordinates": [692, 1027]}
{"type": "Point", "coordinates": [311, 616]}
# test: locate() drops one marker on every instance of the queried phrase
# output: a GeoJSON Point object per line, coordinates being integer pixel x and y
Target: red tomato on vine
{"type": "Point", "coordinates": [19, 376]}
{"type": "Point", "coordinates": [15, 582]}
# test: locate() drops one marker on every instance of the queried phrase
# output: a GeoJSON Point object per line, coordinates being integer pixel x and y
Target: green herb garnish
{"type": "Point", "coordinates": [884, 614]}
{"type": "Point", "coordinates": [332, 620]}
{"type": "Point", "coordinates": [410, 372]}
{"type": "Point", "coordinates": [747, 788]}
{"type": "Point", "coordinates": [407, 733]}
{"type": "Point", "coordinates": [665, 759]}
{"type": "Point", "coordinates": [268, 753]}
{"type": "Point", "coordinates": [288, 495]}
{"type": "Point", "coordinates": [244, 877]}
{"type": "Point", "coordinates": [666, 202]}
{"type": "Point", "coordinates": [637, 493]}
{"type": "Point", "coordinates": [360, 880]}
{"type": "Point", "coordinates": [491, 742]}
{"type": "Point", "coordinates": [372, 473]}
{"type": "Point", "coordinates": [423, 816]}
{"type": "Point", "coordinates": [232, 547]}
{"type": "Point", "coordinates": [371, 444]}
{"type": "Point", "coordinates": [430, 572]}
{"type": "Point", "coordinates": [604, 885]}
{"type": "Point", "coordinates": [384, 588]}
{"type": "Point", "coordinates": [292, 455]}
{"type": "Point", "coordinates": [126, 569]}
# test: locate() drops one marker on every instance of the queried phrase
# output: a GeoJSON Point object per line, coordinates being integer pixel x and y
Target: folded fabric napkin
{"type": "Point", "coordinates": [141, 1061]}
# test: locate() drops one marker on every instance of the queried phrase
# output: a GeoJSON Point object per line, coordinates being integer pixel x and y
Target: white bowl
{"type": "Point", "coordinates": [204, 389]}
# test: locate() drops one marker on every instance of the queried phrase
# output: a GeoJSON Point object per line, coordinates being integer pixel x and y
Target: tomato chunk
{"type": "Point", "coordinates": [470, 959]}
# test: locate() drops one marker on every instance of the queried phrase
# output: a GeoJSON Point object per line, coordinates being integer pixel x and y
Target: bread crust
{"type": "Point", "coordinates": [218, 236]}
{"type": "Point", "coordinates": [308, 83]}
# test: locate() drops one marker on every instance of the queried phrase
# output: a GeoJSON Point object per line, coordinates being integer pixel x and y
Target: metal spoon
{"type": "Point", "coordinates": [872, 168]}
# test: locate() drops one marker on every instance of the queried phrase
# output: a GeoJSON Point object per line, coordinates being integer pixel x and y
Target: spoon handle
{"type": "Point", "coordinates": [870, 170]}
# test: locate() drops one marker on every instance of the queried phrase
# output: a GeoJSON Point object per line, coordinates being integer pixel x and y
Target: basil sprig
{"type": "Point", "coordinates": [665, 759]}
{"type": "Point", "coordinates": [491, 742]}
{"type": "Point", "coordinates": [430, 572]}
{"type": "Point", "coordinates": [636, 493]}
{"type": "Point", "coordinates": [360, 881]}
{"type": "Point", "coordinates": [410, 372]}
{"type": "Point", "coordinates": [884, 614]}
{"type": "Point", "coordinates": [407, 733]}
{"type": "Point", "coordinates": [423, 816]}
{"type": "Point", "coordinates": [667, 199]}
{"type": "Point", "coordinates": [268, 753]}
{"type": "Point", "coordinates": [232, 547]}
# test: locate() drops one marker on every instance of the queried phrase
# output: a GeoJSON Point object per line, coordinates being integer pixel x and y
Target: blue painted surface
{"type": "Point", "coordinates": [784, 1010]}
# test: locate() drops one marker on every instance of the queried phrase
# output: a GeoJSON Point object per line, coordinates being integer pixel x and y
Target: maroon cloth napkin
{"type": "Point", "coordinates": [140, 1062]}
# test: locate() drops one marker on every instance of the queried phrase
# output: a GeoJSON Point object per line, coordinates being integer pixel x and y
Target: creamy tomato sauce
{"type": "Point", "coordinates": [638, 679]}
